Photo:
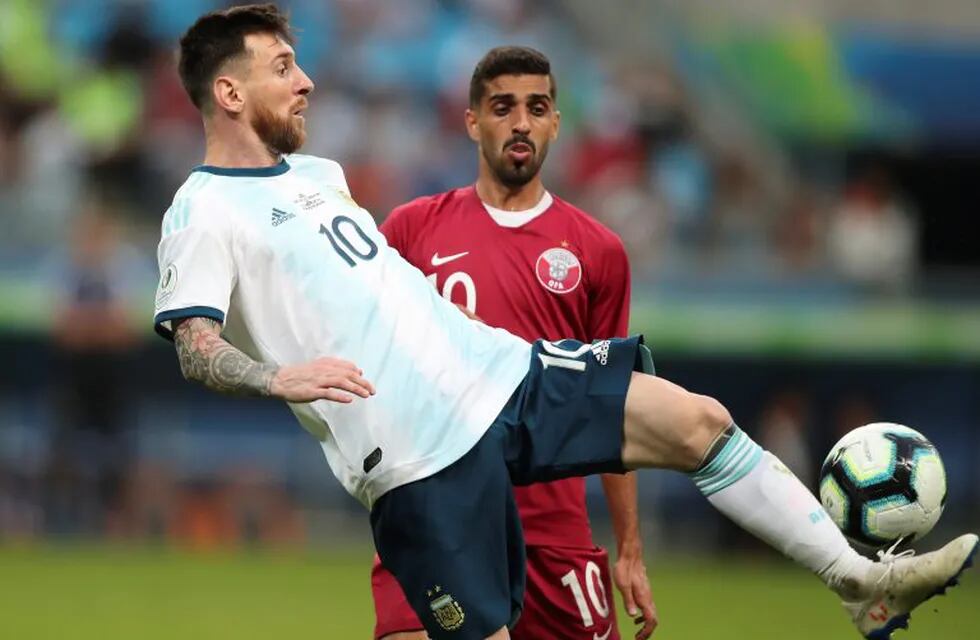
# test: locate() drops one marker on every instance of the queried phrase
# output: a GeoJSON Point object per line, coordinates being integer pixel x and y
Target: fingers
{"type": "Point", "coordinates": [343, 374]}
{"type": "Point", "coordinates": [364, 382]}
{"type": "Point", "coordinates": [646, 631]}
{"type": "Point", "coordinates": [336, 396]}
{"type": "Point", "coordinates": [629, 602]}
{"type": "Point", "coordinates": [355, 384]}
{"type": "Point", "coordinates": [649, 621]}
{"type": "Point", "coordinates": [649, 615]}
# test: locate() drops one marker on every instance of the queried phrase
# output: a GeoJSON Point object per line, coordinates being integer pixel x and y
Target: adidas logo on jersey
{"type": "Point", "coordinates": [279, 216]}
{"type": "Point", "coordinates": [601, 351]}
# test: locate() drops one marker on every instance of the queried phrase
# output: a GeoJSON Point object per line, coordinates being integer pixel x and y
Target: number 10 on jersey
{"type": "Point", "coordinates": [457, 278]}
{"type": "Point", "coordinates": [364, 247]}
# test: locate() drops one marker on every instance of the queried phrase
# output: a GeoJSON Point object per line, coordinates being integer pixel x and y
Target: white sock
{"type": "Point", "coordinates": [757, 492]}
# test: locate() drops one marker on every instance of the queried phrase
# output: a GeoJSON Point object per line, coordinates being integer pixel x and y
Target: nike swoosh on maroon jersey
{"type": "Point", "coordinates": [437, 261]}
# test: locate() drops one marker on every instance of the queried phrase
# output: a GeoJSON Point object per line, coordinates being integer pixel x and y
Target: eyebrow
{"type": "Point", "coordinates": [509, 97]}
{"type": "Point", "coordinates": [289, 55]}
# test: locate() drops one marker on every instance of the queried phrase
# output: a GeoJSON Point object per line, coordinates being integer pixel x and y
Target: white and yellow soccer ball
{"type": "Point", "coordinates": [882, 483]}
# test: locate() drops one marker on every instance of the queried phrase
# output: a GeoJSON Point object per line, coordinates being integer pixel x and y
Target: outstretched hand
{"type": "Point", "coordinates": [322, 379]}
{"type": "Point", "coordinates": [630, 577]}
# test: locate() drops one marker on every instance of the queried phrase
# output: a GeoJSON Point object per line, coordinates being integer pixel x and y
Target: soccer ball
{"type": "Point", "coordinates": [883, 482]}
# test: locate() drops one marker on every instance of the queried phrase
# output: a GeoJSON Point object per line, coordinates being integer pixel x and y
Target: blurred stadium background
{"type": "Point", "coordinates": [795, 183]}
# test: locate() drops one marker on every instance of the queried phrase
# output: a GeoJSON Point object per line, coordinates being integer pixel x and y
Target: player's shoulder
{"type": "Point", "coordinates": [197, 202]}
{"type": "Point", "coordinates": [319, 169]}
{"type": "Point", "coordinates": [588, 227]}
{"type": "Point", "coordinates": [429, 207]}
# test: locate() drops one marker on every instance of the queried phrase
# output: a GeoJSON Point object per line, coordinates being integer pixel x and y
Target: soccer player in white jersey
{"type": "Point", "coordinates": [275, 283]}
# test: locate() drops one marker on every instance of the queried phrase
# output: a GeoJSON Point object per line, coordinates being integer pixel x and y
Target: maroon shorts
{"type": "Point", "coordinates": [568, 597]}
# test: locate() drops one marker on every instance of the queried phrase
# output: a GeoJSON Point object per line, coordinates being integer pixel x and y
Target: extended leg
{"type": "Point", "coordinates": [669, 427]}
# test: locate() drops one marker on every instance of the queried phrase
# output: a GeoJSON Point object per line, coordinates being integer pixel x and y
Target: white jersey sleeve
{"type": "Point", "coordinates": [197, 269]}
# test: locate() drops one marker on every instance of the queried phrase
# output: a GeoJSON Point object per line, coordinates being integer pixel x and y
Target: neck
{"type": "Point", "coordinates": [500, 196]}
{"type": "Point", "coordinates": [232, 145]}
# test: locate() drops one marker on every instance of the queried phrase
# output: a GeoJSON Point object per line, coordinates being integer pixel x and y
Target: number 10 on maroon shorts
{"type": "Point", "coordinates": [568, 596]}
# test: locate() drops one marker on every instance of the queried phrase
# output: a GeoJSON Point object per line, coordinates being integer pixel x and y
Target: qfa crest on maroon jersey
{"type": "Point", "coordinates": [558, 270]}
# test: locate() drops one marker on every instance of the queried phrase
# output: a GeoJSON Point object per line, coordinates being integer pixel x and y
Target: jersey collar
{"type": "Point", "coordinates": [513, 219]}
{"type": "Point", "coordinates": [245, 172]}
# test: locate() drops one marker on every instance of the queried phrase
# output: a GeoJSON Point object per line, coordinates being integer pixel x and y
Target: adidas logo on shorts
{"type": "Point", "coordinates": [279, 216]}
{"type": "Point", "coordinates": [601, 351]}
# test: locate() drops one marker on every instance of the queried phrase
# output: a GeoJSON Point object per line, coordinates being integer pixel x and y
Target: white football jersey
{"type": "Point", "coordinates": [296, 270]}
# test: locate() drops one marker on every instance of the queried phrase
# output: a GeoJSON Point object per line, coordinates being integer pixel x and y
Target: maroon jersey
{"type": "Point", "coordinates": [559, 275]}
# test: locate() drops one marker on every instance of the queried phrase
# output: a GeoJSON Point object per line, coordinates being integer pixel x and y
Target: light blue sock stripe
{"type": "Point", "coordinates": [720, 459]}
{"type": "Point", "coordinates": [739, 456]}
{"type": "Point", "coordinates": [748, 465]}
{"type": "Point", "coordinates": [738, 440]}
{"type": "Point", "coordinates": [732, 466]}
{"type": "Point", "coordinates": [723, 461]}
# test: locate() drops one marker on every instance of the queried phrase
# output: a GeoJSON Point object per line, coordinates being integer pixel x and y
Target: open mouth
{"type": "Point", "coordinates": [519, 152]}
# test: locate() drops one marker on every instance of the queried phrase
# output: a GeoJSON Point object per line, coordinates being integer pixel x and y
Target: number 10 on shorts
{"type": "Point", "coordinates": [595, 589]}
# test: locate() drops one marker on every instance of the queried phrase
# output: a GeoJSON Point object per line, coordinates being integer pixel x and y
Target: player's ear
{"type": "Point", "coordinates": [472, 127]}
{"type": "Point", "coordinates": [556, 125]}
{"type": "Point", "coordinates": [227, 94]}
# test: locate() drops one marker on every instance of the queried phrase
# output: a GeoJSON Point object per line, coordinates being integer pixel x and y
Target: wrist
{"type": "Point", "coordinates": [629, 550]}
{"type": "Point", "coordinates": [273, 387]}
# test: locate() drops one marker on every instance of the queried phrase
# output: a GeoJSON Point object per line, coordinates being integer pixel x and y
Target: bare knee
{"type": "Point", "coordinates": [668, 426]}
{"type": "Point", "coordinates": [713, 418]}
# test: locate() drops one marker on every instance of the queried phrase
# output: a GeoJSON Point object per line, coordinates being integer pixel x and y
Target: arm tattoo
{"type": "Point", "coordinates": [207, 358]}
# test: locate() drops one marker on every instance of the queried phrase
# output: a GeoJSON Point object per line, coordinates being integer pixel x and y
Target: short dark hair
{"type": "Point", "coordinates": [218, 37]}
{"type": "Point", "coordinates": [503, 61]}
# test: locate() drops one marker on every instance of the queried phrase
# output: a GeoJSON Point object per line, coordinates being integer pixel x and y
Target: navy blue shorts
{"type": "Point", "coordinates": [454, 540]}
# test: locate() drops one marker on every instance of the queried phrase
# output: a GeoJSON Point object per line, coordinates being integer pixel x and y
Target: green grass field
{"type": "Point", "coordinates": [106, 593]}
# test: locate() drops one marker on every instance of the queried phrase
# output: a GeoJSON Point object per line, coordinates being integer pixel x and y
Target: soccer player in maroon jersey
{"type": "Point", "coordinates": [518, 257]}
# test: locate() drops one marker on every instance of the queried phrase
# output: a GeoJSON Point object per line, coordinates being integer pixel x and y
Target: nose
{"type": "Point", "coordinates": [305, 84]}
{"type": "Point", "coordinates": [521, 123]}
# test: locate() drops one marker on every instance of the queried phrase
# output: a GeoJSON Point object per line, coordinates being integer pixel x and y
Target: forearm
{"type": "Point", "coordinates": [621, 496]}
{"type": "Point", "coordinates": [207, 358]}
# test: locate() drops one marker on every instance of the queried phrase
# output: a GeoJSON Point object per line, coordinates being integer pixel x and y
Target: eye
{"type": "Point", "coordinates": [539, 109]}
{"type": "Point", "coordinates": [500, 109]}
{"type": "Point", "coordinates": [282, 69]}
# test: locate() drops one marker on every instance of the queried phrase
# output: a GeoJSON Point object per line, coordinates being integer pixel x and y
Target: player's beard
{"type": "Point", "coordinates": [280, 135]}
{"type": "Point", "coordinates": [511, 174]}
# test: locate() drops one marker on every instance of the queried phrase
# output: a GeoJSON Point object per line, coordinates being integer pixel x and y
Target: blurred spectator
{"type": "Point", "coordinates": [798, 234]}
{"type": "Point", "coordinates": [852, 411]}
{"type": "Point", "coordinates": [148, 503]}
{"type": "Point", "coordinates": [872, 236]}
{"type": "Point", "coordinates": [784, 430]}
{"type": "Point", "coordinates": [741, 217]}
{"type": "Point", "coordinates": [681, 173]}
{"type": "Point", "coordinates": [204, 518]}
{"type": "Point", "coordinates": [92, 330]}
